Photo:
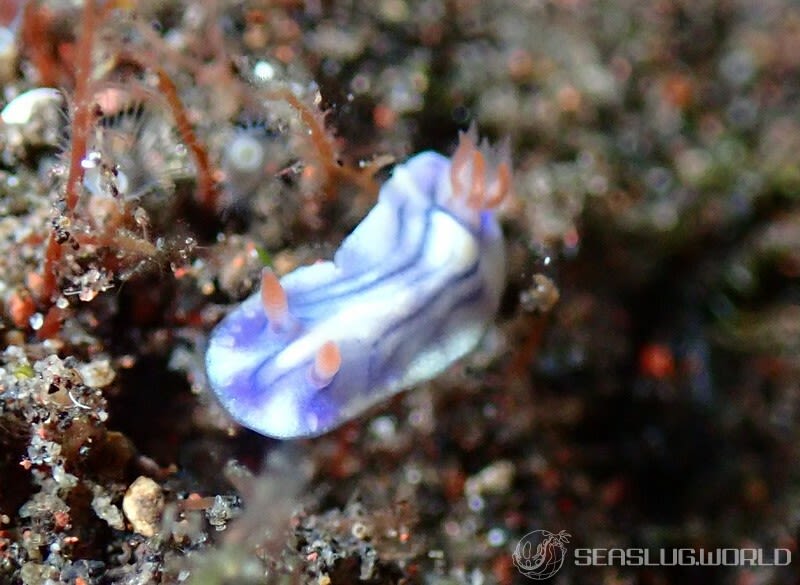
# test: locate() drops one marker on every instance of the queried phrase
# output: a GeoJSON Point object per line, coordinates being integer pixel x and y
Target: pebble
{"type": "Point", "coordinates": [143, 504]}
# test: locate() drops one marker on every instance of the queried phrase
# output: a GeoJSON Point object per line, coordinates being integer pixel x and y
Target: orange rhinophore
{"type": "Point", "coordinates": [326, 364]}
{"type": "Point", "coordinates": [478, 180]}
{"type": "Point", "coordinates": [500, 186]}
{"type": "Point", "coordinates": [479, 175]}
{"type": "Point", "coordinates": [273, 299]}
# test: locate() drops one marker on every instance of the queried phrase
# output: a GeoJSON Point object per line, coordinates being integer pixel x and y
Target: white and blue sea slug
{"type": "Point", "coordinates": [412, 289]}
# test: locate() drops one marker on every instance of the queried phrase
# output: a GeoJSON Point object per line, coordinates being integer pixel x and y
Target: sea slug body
{"type": "Point", "coordinates": [412, 289]}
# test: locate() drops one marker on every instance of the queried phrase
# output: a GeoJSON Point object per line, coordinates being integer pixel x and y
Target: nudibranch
{"type": "Point", "coordinates": [412, 289]}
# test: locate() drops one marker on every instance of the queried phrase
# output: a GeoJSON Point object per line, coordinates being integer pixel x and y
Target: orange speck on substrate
{"type": "Point", "coordinates": [284, 53]}
{"type": "Point", "coordinates": [772, 366]}
{"type": "Point", "coordinates": [255, 16]}
{"type": "Point", "coordinates": [656, 360]}
{"type": "Point", "coordinates": [20, 308]}
{"type": "Point", "coordinates": [550, 479]}
{"type": "Point", "coordinates": [565, 505]}
{"type": "Point", "coordinates": [520, 64]}
{"type": "Point", "coordinates": [309, 172]}
{"type": "Point", "coordinates": [61, 520]}
{"type": "Point", "coordinates": [35, 284]}
{"type": "Point", "coordinates": [571, 238]}
{"type": "Point", "coordinates": [502, 568]}
{"type": "Point", "coordinates": [239, 261]}
{"type": "Point", "coordinates": [384, 116]}
{"type": "Point", "coordinates": [196, 502]}
{"type": "Point", "coordinates": [218, 175]}
{"type": "Point", "coordinates": [112, 100]}
{"type": "Point", "coordinates": [678, 91]}
{"type": "Point", "coordinates": [127, 362]}
{"type": "Point", "coordinates": [569, 99]}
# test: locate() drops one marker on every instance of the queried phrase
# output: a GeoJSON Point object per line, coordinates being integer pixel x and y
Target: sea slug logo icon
{"type": "Point", "coordinates": [540, 554]}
